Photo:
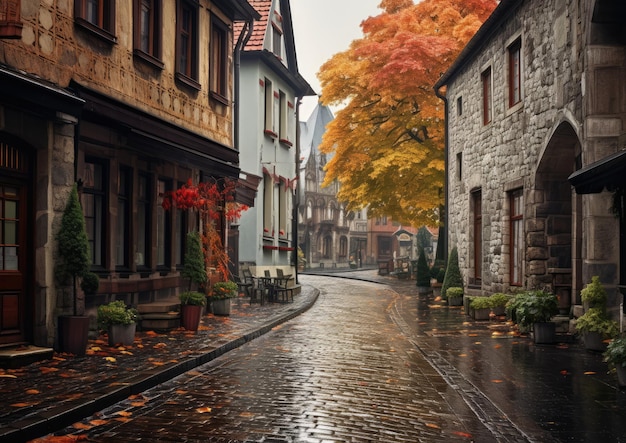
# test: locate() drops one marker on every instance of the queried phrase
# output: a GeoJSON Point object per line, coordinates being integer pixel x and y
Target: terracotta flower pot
{"type": "Point", "coordinates": [190, 316]}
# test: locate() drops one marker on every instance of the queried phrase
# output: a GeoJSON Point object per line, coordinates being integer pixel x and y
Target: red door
{"type": "Point", "coordinates": [13, 247]}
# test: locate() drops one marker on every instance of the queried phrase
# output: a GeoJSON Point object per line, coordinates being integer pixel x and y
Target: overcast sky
{"type": "Point", "coordinates": [321, 29]}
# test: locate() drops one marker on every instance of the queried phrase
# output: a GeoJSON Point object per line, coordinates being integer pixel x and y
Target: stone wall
{"type": "Point", "coordinates": [505, 154]}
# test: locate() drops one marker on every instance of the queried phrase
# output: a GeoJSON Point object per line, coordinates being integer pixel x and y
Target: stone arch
{"type": "Point", "coordinates": [554, 217]}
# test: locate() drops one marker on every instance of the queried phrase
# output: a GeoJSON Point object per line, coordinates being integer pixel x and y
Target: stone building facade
{"type": "Point", "coordinates": [537, 97]}
{"type": "Point", "coordinates": [120, 99]}
{"type": "Point", "coordinates": [538, 94]}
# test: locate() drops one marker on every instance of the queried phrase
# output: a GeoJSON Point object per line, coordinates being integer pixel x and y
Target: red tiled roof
{"type": "Point", "coordinates": [260, 26]}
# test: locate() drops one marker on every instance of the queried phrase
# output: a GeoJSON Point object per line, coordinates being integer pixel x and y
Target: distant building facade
{"type": "Point", "coordinates": [536, 111]}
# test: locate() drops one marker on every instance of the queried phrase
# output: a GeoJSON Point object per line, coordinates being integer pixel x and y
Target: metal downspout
{"type": "Point", "coordinates": [445, 185]}
{"type": "Point", "coordinates": [245, 35]}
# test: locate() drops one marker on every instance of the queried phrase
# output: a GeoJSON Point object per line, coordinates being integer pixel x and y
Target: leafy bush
{"type": "Point", "coordinates": [594, 293]}
{"type": "Point", "coordinates": [90, 283]}
{"type": "Point", "coordinates": [224, 289]}
{"type": "Point", "coordinates": [453, 277]}
{"type": "Point", "coordinates": [480, 303]}
{"type": "Point", "coordinates": [438, 270]}
{"type": "Point", "coordinates": [594, 320]}
{"type": "Point", "coordinates": [532, 307]}
{"type": "Point", "coordinates": [499, 299]}
{"type": "Point", "coordinates": [194, 267]}
{"type": "Point", "coordinates": [192, 298]}
{"type": "Point", "coordinates": [115, 313]}
{"type": "Point", "coordinates": [454, 292]}
{"type": "Point", "coordinates": [615, 353]}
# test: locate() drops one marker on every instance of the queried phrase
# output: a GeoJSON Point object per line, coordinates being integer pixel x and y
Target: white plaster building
{"type": "Point", "coordinates": [270, 89]}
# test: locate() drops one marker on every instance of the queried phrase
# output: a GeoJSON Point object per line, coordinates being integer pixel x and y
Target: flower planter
{"type": "Point", "coordinates": [457, 301]}
{"type": "Point", "coordinates": [190, 316]}
{"type": "Point", "coordinates": [221, 307]}
{"type": "Point", "coordinates": [73, 334]}
{"type": "Point", "coordinates": [122, 334]}
{"type": "Point", "coordinates": [482, 313]}
{"type": "Point", "coordinates": [621, 376]}
{"type": "Point", "coordinates": [544, 332]}
{"type": "Point", "coordinates": [594, 341]}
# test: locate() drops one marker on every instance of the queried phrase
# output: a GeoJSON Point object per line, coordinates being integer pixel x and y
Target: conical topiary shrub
{"type": "Point", "coordinates": [194, 269]}
{"type": "Point", "coordinates": [73, 245]}
{"type": "Point", "coordinates": [453, 277]}
{"type": "Point", "coordinates": [423, 272]}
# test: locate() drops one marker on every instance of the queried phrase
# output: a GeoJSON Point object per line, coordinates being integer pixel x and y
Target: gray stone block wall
{"type": "Point", "coordinates": [503, 155]}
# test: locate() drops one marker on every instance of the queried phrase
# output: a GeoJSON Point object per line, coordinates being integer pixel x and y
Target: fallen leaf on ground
{"type": "Point", "coordinates": [432, 425]}
{"type": "Point", "coordinates": [47, 370]}
{"type": "Point", "coordinates": [7, 376]}
{"type": "Point", "coordinates": [203, 409]}
{"type": "Point", "coordinates": [125, 413]}
{"type": "Point", "coordinates": [111, 359]}
{"type": "Point", "coordinates": [32, 391]}
{"type": "Point", "coordinates": [462, 434]}
{"type": "Point", "coordinates": [98, 422]}
{"type": "Point", "coordinates": [81, 425]}
{"type": "Point", "coordinates": [589, 373]}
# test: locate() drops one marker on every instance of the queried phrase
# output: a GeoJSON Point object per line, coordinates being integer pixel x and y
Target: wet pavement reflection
{"type": "Point", "coordinates": [370, 362]}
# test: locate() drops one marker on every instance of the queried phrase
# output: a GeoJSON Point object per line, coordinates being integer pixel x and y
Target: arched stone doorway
{"type": "Point", "coordinates": [555, 223]}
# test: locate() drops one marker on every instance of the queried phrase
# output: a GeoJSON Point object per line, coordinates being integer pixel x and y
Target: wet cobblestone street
{"type": "Point", "coordinates": [340, 372]}
{"type": "Point", "coordinates": [370, 362]}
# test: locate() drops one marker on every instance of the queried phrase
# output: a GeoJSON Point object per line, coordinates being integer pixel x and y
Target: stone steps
{"type": "Point", "coordinates": [18, 356]}
{"type": "Point", "coordinates": [159, 316]}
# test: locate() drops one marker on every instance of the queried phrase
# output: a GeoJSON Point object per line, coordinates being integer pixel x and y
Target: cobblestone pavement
{"type": "Point", "coordinates": [49, 395]}
{"type": "Point", "coordinates": [341, 372]}
{"type": "Point", "coordinates": [367, 363]}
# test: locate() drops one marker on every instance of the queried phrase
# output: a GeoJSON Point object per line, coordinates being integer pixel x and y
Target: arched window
{"type": "Point", "coordinates": [327, 247]}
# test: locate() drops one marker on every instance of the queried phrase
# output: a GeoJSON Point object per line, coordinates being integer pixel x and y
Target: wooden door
{"type": "Point", "coordinates": [13, 245]}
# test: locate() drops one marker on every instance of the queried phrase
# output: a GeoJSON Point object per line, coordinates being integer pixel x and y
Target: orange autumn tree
{"type": "Point", "coordinates": [215, 202]}
{"type": "Point", "coordinates": [388, 139]}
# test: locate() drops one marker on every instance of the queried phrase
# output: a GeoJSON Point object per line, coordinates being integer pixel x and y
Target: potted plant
{"type": "Point", "coordinates": [223, 292]}
{"type": "Point", "coordinates": [481, 307]}
{"type": "Point", "coordinates": [498, 303]}
{"type": "Point", "coordinates": [191, 305]}
{"type": "Point", "coordinates": [453, 277]}
{"type": "Point", "coordinates": [423, 273]}
{"type": "Point", "coordinates": [615, 355]}
{"type": "Point", "coordinates": [594, 325]}
{"type": "Point", "coordinates": [594, 295]}
{"type": "Point", "coordinates": [119, 321]}
{"type": "Point", "coordinates": [596, 328]}
{"type": "Point", "coordinates": [74, 262]}
{"type": "Point", "coordinates": [534, 309]}
{"type": "Point", "coordinates": [438, 272]}
{"type": "Point", "coordinates": [455, 296]}
{"type": "Point", "coordinates": [192, 302]}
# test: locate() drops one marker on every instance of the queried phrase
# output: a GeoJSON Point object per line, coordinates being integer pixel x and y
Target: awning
{"type": "Point", "coordinates": [609, 173]}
